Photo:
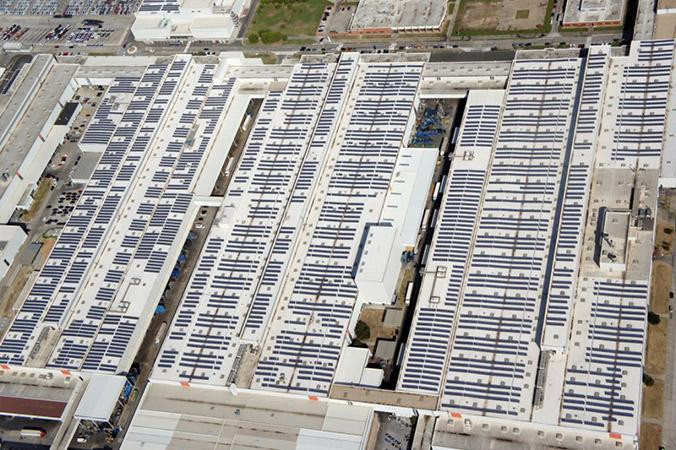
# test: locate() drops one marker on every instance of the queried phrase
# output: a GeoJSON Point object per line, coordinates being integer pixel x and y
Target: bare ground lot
{"type": "Point", "coordinates": [484, 16]}
{"type": "Point", "coordinates": [661, 284]}
{"type": "Point", "coordinates": [651, 436]}
{"type": "Point", "coordinates": [653, 403]}
{"type": "Point", "coordinates": [657, 348]}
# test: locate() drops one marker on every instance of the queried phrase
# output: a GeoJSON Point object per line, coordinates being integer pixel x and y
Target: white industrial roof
{"type": "Point", "coordinates": [100, 397]}
{"type": "Point", "coordinates": [34, 101]}
{"type": "Point", "coordinates": [171, 415]}
{"type": "Point", "coordinates": [603, 12]}
{"type": "Point", "coordinates": [118, 247]}
{"type": "Point", "coordinates": [399, 14]}
{"type": "Point", "coordinates": [512, 307]}
{"type": "Point", "coordinates": [490, 289]}
{"type": "Point", "coordinates": [294, 129]}
{"type": "Point", "coordinates": [405, 203]}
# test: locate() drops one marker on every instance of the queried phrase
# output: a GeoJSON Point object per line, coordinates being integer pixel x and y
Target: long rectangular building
{"type": "Point", "coordinates": [90, 306]}
{"type": "Point", "coordinates": [312, 178]}
{"type": "Point", "coordinates": [532, 310]}
{"type": "Point", "coordinates": [529, 319]}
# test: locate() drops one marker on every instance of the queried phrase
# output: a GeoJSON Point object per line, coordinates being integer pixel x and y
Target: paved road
{"type": "Point", "coordinates": [645, 20]}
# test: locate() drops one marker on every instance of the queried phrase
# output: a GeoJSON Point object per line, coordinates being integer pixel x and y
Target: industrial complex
{"type": "Point", "coordinates": [297, 224]}
{"type": "Point", "coordinates": [167, 20]}
{"type": "Point", "coordinates": [500, 215]}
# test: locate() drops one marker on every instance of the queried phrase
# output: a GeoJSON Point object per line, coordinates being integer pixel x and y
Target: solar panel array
{"type": "Point", "coordinates": [642, 103]}
{"type": "Point", "coordinates": [159, 6]}
{"type": "Point", "coordinates": [235, 285]}
{"type": "Point", "coordinates": [605, 368]}
{"type": "Point", "coordinates": [493, 360]}
{"type": "Point", "coordinates": [495, 294]}
{"type": "Point", "coordinates": [85, 231]}
{"type": "Point", "coordinates": [305, 339]}
{"type": "Point", "coordinates": [433, 324]}
{"type": "Point", "coordinates": [563, 281]}
{"type": "Point", "coordinates": [120, 279]}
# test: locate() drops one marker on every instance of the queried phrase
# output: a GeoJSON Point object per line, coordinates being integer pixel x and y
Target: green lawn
{"type": "Point", "coordinates": [279, 20]}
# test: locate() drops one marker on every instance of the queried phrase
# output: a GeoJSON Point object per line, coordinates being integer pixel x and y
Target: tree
{"type": "Point", "coordinates": [648, 380]}
{"type": "Point", "coordinates": [653, 319]}
{"type": "Point", "coordinates": [362, 331]}
{"type": "Point", "coordinates": [253, 38]}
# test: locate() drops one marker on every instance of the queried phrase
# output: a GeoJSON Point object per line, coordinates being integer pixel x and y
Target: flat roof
{"type": "Point", "coordinates": [488, 278]}
{"type": "Point", "coordinates": [399, 14]}
{"type": "Point", "coordinates": [130, 258]}
{"type": "Point", "coordinates": [86, 167]}
{"type": "Point", "coordinates": [100, 398]}
{"type": "Point", "coordinates": [34, 392]}
{"type": "Point", "coordinates": [318, 92]}
{"type": "Point", "coordinates": [594, 11]}
{"type": "Point", "coordinates": [34, 94]}
{"type": "Point", "coordinates": [66, 113]}
{"type": "Point", "coordinates": [426, 349]}
{"type": "Point", "coordinates": [13, 406]}
{"type": "Point", "coordinates": [172, 415]}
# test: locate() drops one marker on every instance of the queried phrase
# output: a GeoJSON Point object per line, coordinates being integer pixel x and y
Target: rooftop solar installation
{"type": "Point", "coordinates": [515, 319]}
{"type": "Point", "coordinates": [534, 278]}
{"type": "Point", "coordinates": [116, 247]}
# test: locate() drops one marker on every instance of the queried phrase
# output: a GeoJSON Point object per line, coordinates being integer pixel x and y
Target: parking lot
{"type": "Point", "coordinates": [395, 432]}
{"type": "Point", "coordinates": [59, 211]}
{"type": "Point", "coordinates": [64, 33]}
{"type": "Point", "coordinates": [74, 7]}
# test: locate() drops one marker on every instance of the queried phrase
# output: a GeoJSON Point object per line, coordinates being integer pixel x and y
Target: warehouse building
{"type": "Point", "coordinates": [90, 306]}
{"type": "Point", "coordinates": [34, 118]}
{"type": "Point", "coordinates": [179, 416]}
{"type": "Point", "coordinates": [530, 318]}
{"type": "Point", "coordinates": [12, 238]}
{"type": "Point", "coordinates": [391, 16]}
{"type": "Point", "coordinates": [168, 20]}
{"type": "Point", "coordinates": [594, 13]}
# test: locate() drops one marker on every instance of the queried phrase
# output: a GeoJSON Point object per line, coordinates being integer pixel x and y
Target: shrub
{"type": "Point", "coordinates": [253, 38]}
{"type": "Point", "coordinates": [653, 319]}
{"type": "Point", "coordinates": [362, 331]}
{"type": "Point", "coordinates": [648, 380]}
{"type": "Point", "coordinates": [270, 37]}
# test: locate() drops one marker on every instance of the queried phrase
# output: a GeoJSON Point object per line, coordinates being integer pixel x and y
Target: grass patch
{"type": "Point", "coordinates": [38, 198]}
{"type": "Point", "coordinates": [547, 24]}
{"type": "Point", "coordinates": [267, 58]}
{"type": "Point", "coordinates": [522, 14]}
{"type": "Point", "coordinates": [277, 21]}
{"type": "Point", "coordinates": [574, 29]}
{"type": "Point", "coordinates": [586, 29]}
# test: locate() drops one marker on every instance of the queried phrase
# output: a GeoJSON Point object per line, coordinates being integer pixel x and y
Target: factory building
{"type": "Point", "coordinates": [533, 240]}
{"type": "Point", "coordinates": [34, 118]}
{"type": "Point", "coordinates": [531, 318]}
{"type": "Point", "coordinates": [168, 20]}
{"type": "Point", "coordinates": [389, 16]}
{"type": "Point", "coordinates": [594, 13]}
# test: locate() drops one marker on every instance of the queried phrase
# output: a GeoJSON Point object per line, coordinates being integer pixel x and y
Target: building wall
{"type": "Point", "coordinates": [13, 238]}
